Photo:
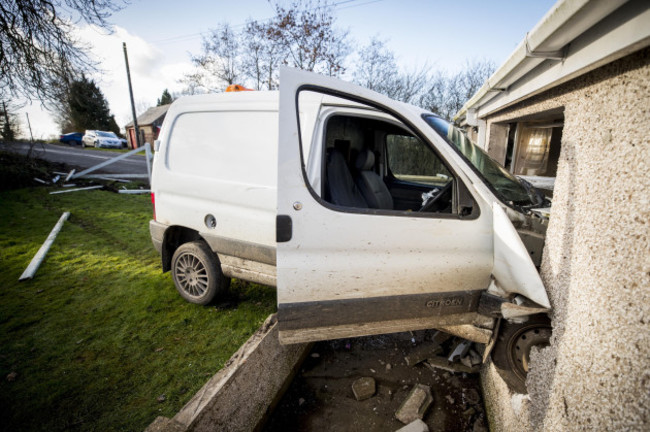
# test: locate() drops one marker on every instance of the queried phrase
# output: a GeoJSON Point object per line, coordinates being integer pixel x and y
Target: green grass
{"type": "Point", "coordinates": [100, 333]}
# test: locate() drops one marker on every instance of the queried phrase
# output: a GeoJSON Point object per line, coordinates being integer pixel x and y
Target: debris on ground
{"type": "Point", "coordinates": [90, 176]}
{"type": "Point", "coordinates": [415, 405]}
{"type": "Point", "coordinates": [77, 189]}
{"type": "Point", "coordinates": [35, 263]}
{"type": "Point", "coordinates": [321, 396]}
{"type": "Point", "coordinates": [415, 426]}
{"type": "Point", "coordinates": [460, 350]}
{"type": "Point", "coordinates": [363, 388]}
{"type": "Point", "coordinates": [422, 352]}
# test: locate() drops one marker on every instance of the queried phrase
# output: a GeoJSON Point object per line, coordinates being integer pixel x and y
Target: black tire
{"type": "Point", "coordinates": [197, 273]}
{"type": "Point", "coordinates": [511, 352]}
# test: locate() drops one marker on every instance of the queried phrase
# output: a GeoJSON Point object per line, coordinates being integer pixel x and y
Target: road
{"type": "Point", "coordinates": [80, 158]}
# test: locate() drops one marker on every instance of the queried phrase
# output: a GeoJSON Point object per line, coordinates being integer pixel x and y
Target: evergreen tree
{"type": "Point", "coordinates": [9, 123]}
{"type": "Point", "coordinates": [86, 109]}
{"type": "Point", "coordinates": [165, 99]}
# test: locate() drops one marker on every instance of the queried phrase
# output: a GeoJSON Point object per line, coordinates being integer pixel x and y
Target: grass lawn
{"type": "Point", "coordinates": [97, 338]}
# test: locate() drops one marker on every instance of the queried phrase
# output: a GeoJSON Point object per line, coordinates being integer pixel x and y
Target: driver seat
{"type": "Point", "coordinates": [372, 187]}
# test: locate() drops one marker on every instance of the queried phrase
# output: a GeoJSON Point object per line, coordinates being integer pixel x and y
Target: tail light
{"type": "Point", "coordinates": [153, 203]}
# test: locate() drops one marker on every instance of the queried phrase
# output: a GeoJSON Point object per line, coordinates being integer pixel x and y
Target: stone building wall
{"type": "Point", "coordinates": [596, 265]}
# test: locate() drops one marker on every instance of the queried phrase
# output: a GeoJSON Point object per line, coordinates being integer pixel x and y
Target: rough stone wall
{"type": "Point", "coordinates": [596, 265]}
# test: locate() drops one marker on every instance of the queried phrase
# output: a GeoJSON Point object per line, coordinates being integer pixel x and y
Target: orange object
{"type": "Point", "coordinates": [236, 88]}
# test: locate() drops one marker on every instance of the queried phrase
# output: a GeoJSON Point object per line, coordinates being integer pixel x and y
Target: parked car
{"type": "Point", "coordinates": [71, 138]}
{"type": "Point", "coordinates": [96, 138]}
{"type": "Point", "coordinates": [368, 215]}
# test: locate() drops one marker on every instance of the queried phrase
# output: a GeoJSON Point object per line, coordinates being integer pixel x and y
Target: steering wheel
{"type": "Point", "coordinates": [439, 201]}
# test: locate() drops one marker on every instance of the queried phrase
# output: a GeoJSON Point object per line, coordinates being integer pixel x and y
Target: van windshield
{"type": "Point", "coordinates": [506, 186]}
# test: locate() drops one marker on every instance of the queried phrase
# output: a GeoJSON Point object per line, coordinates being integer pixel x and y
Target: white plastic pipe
{"type": "Point", "coordinates": [40, 255]}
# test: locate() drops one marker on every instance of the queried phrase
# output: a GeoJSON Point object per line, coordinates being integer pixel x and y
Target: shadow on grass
{"type": "Point", "coordinates": [100, 335]}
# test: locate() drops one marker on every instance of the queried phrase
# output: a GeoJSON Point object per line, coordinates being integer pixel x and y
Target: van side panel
{"type": "Point", "coordinates": [216, 173]}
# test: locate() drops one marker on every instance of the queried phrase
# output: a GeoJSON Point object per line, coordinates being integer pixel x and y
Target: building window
{"type": "Point", "coordinates": [529, 147]}
{"type": "Point", "coordinates": [537, 149]}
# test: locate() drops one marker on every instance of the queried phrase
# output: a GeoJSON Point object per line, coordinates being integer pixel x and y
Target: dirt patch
{"type": "Point", "coordinates": [321, 396]}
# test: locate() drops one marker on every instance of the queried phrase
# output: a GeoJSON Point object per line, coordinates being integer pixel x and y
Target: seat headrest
{"type": "Point", "coordinates": [365, 160]}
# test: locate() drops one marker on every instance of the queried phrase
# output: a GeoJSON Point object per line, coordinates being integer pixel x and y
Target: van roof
{"type": "Point", "coordinates": [265, 99]}
{"type": "Point", "coordinates": [249, 100]}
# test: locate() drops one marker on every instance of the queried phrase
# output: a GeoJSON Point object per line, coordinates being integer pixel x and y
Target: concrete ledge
{"type": "Point", "coordinates": [506, 411]}
{"type": "Point", "coordinates": [242, 394]}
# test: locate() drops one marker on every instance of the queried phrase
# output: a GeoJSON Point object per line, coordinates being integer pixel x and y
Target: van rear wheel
{"type": "Point", "coordinates": [197, 273]}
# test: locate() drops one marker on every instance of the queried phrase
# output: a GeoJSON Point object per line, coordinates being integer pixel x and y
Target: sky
{"type": "Point", "coordinates": [161, 34]}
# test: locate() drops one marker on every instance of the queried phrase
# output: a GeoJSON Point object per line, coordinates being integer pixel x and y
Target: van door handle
{"type": "Point", "coordinates": [283, 228]}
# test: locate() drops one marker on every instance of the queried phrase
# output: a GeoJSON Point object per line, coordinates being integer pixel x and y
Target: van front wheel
{"type": "Point", "coordinates": [197, 273]}
{"type": "Point", "coordinates": [511, 352]}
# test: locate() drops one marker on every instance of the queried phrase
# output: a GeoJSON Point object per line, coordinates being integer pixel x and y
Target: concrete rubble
{"type": "Point", "coordinates": [415, 426]}
{"type": "Point", "coordinates": [364, 388]}
{"type": "Point", "coordinates": [242, 397]}
{"type": "Point", "coordinates": [415, 405]}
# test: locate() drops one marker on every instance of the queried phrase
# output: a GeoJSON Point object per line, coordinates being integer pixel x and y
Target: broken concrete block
{"type": "Point", "coordinates": [415, 405]}
{"type": "Point", "coordinates": [415, 426]}
{"type": "Point", "coordinates": [422, 352]}
{"type": "Point", "coordinates": [363, 388]}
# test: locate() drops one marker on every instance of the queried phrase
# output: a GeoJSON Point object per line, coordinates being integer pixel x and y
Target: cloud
{"type": "Point", "coordinates": [151, 73]}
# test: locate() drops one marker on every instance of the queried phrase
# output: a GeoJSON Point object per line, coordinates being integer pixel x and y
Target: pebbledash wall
{"type": "Point", "coordinates": [596, 264]}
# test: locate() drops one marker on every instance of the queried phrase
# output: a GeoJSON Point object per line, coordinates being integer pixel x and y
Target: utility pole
{"type": "Point", "coordinates": [4, 106]}
{"type": "Point", "coordinates": [128, 75]}
{"type": "Point", "coordinates": [31, 143]}
{"type": "Point", "coordinates": [30, 127]}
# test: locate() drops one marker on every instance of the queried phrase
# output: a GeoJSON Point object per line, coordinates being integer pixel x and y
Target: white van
{"type": "Point", "coordinates": [369, 216]}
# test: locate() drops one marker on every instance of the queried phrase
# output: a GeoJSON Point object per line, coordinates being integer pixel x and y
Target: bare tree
{"type": "Point", "coordinates": [38, 51]}
{"type": "Point", "coordinates": [377, 70]}
{"type": "Point", "coordinates": [376, 67]}
{"type": "Point", "coordinates": [220, 62]}
{"type": "Point", "coordinates": [262, 55]}
{"type": "Point", "coordinates": [306, 30]}
{"type": "Point", "coordinates": [447, 94]}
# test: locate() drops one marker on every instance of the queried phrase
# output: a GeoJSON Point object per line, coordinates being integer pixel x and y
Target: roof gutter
{"type": "Point", "coordinates": [548, 41]}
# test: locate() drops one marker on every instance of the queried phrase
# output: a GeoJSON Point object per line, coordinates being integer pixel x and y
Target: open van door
{"type": "Point", "coordinates": [352, 264]}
